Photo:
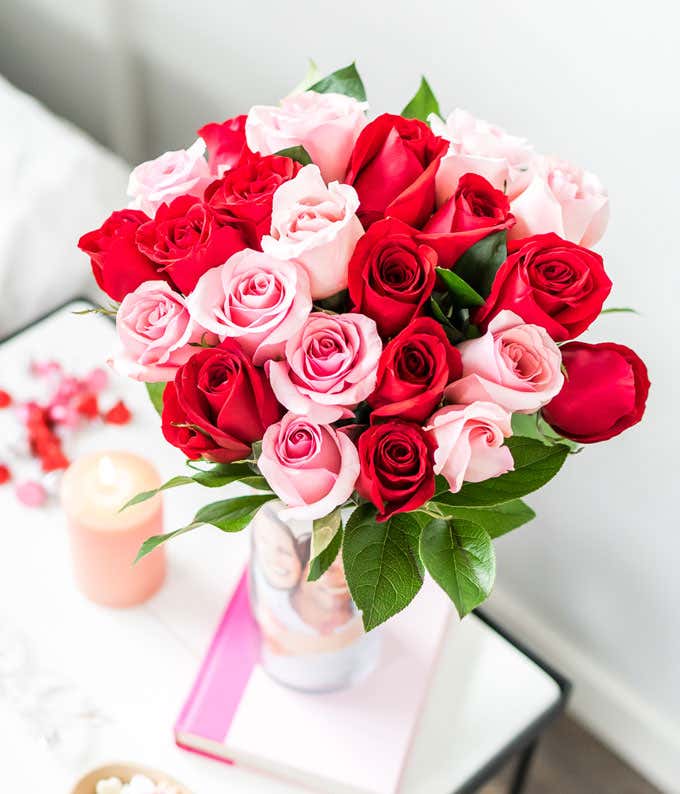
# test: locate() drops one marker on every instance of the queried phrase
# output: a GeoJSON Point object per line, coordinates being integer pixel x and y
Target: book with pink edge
{"type": "Point", "coordinates": [353, 741]}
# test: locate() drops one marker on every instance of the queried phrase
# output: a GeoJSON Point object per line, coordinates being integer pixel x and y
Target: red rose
{"type": "Point", "coordinates": [474, 211]}
{"type": "Point", "coordinates": [550, 282]}
{"type": "Point", "coordinates": [391, 275]}
{"type": "Point", "coordinates": [604, 392]}
{"type": "Point", "coordinates": [226, 143]}
{"type": "Point", "coordinates": [246, 190]}
{"type": "Point", "coordinates": [118, 265]}
{"type": "Point", "coordinates": [396, 467]}
{"type": "Point", "coordinates": [218, 405]}
{"type": "Point", "coordinates": [392, 168]}
{"type": "Point", "coordinates": [414, 369]}
{"type": "Point", "coordinates": [186, 238]}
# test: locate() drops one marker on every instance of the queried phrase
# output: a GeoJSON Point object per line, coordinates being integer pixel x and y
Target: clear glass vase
{"type": "Point", "coordinates": [312, 634]}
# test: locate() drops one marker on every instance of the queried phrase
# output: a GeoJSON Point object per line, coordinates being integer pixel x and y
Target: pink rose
{"type": "Point", "coordinates": [154, 333]}
{"type": "Point", "coordinates": [516, 365]}
{"type": "Point", "coordinates": [310, 467]}
{"type": "Point", "coordinates": [172, 174]}
{"type": "Point", "coordinates": [331, 365]}
{"type": "Point", "coordinates": [327, 125]}
{"type": "Point", "coordinates": [316, 226]}
{"type": "Point", "coordinates": [564, 199]}
{"type": "Point", "coordinates": [478, 147]}
{"type": "Point", "coordinates": [258, 300]}
{"type": "Point", "coordinates": [469, 442]}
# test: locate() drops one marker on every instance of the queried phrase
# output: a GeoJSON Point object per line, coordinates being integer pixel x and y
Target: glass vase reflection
{"type": "Point", "coordinates": [312, 634]}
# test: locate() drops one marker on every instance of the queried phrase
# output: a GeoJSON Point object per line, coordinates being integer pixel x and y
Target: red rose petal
{"type": "Point", "coordinates": [5, 474]}
{"type": "Point", "coordinates": [118, 415]}
{"type": "Point", "coordinates": [5, 399]}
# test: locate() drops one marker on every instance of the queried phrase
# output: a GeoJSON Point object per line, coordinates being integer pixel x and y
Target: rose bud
{"type": "Point", "coordinates": [564, 199]}
{"type": "Point", "coordinates": [475, 211]}
{"type": "Point", "coordinates": [117, 263]}
{"type": "Point", "coordinates": [604, 393]}
{"type": "Point", "coordinates": [391, 275]}
{"type": "Point", "coordinates": [155, 333]}
{"type": "Point", "coordinates": [393, 168]}
{"type": "Point", "coordinates": [226, 143]}
{"type": "Point", "coordinates": [185, 239]}
{"type": "Point", "coordinates": [397, 473]}
{"type": "Point", "coordinates": [326, 125]}
{"type": "Point", "coordinates": [549, 282]}
{"type": "Point", "coordinates": [315, 225]}
{"type": "Point", "coordinates": [310, 467]}
{"type": "Point", "coordinates": [246, 191]}
{"type": "Point", "coordinates": [329, 368]}
{"type": "Point", "coordinates": [515, 364]}
{"type": "Point", "coordinates": [470, 442]}
{"type": "Point", "coordinates": [258, 300]}
{"type": "Point", "coordinates": [414, 369]}
{"type": "Point", "coordinates": [173, 174]}
{"type": "Point", "coordinates": [218, 404]}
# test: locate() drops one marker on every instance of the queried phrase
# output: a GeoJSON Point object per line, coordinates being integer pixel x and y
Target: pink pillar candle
{"type": "Point", "coordinates": [104, 540]}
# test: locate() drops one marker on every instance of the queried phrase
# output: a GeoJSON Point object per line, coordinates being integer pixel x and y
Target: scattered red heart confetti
{"type": "Point", "coordinates": [5, 474]}
{"type": "Point", "coordinates": [118, 415]}
{"type": "Point", "coordinates": [88, 406]}
{"type": "Point", "coordinates": [5, 399]}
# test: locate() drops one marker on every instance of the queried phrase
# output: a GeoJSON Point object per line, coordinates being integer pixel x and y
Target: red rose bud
{"type": "Point", "coordinates": [414, 369]}
{"type": "Point", "coordinates": [550, 282]}
{"type": "Point", "coordinates": [245, 192]}
{"type": "Point", "coordinates": [185, 239]}
{"type": "Point", "coordinates": [226, 143]}
{"type": "Point", "coordinates": [218, 405]}
{"type": "Point", "coordinates": [604, 392]}
{"type": "Point", "coordinates": [475, 211]}
{"type": "Point", "coordinates": [391, 275]}
{"type": "Point", "coordinates": [118, 415]}
{"type": "Point", "coordinates": [393, 166]}
{"type": "Point", "coordinates": [396, 467]}
{"type": "Point", "coordinates": [117, 263]}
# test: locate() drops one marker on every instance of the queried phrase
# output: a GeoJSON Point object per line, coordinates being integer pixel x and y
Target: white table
{"type": "Point", "coordinates": [133, 668]}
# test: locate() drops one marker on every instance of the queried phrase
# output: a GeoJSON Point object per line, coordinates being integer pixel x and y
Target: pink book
{"type": "Point", "coordinates": [353, 741]}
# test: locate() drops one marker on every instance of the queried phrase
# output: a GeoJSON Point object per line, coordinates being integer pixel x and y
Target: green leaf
{"type": "Point", "coordinates": [460, 557]}
{"type": "Point", "coordinates": [619, 310]}
{"type": "Point", "coordinates": [453, 334]}
{"type": "Point", "coordinates": [312, 75]}
{"type": "Point", "coordinates": [232, 515]}
{"type": "Point", "coordinates": [323, 561]}
{"type": "Point", "coordinates": [460, 291]}
{"type": "Point", "coordinates": [229, 515]}
{"type": "Point", "coordinates": [479, 264]}
{"type": "Point", "coordinates": [534, 426]}
{"type": "Point", "coordinates": [324, 530]}
{"type": "Point", "coordinates": [381, 563]}
{"type": "Point", "coordinates": [535, 464]}
{"type": "Point", "coordinates": [150, 543]}
{"type": "Point", "coordinates": [344, 81]}
{"type": "Point", "coordinates": [219, 475]}
{"type": "Point", "coordinates": [297, 153]}
{"type": "Point", "coordinates": [497, 520]}
{"type": "Point", "coordinates": [155, 391]}
{"type": "Point", "coordinates": [423, 103]}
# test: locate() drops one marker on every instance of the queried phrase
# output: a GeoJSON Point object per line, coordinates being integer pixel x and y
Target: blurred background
{"type": "Point", "coordinates": [593, 582]}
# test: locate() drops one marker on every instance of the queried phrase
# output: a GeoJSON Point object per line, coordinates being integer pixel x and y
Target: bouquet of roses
{"type": "Point", "coordinates": [378, 315]}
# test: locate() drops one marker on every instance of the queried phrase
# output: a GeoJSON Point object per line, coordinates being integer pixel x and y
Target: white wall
{"type": "Point", "coordinates": [595, 580]}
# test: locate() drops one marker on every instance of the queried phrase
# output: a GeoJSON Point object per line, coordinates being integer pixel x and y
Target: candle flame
{"type": "Point", "coordinates": [106, 471]}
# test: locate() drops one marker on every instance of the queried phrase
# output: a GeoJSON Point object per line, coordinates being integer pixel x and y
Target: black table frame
{"type": "Point", "coordinates": [524, 745]}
